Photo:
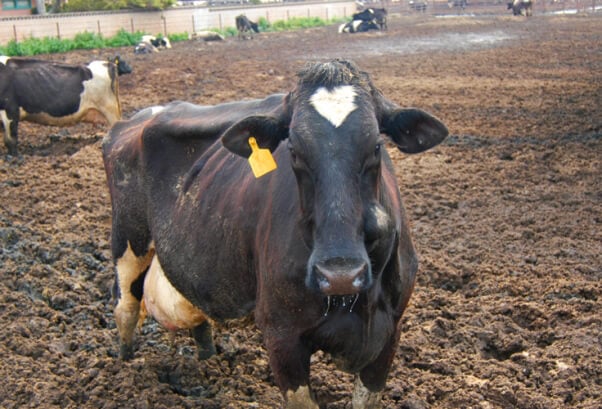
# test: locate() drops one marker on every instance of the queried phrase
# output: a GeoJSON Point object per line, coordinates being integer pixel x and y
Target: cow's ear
{"type": "Point", "coordinates": [413, 130]}
{"type": "Point", "coordinates": [267, 130]}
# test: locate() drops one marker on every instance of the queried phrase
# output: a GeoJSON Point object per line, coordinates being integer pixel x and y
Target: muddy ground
{"type": "Point", "coordinates": [506, 216]}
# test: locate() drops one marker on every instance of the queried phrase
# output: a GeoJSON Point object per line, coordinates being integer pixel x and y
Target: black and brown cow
{"type": "Point", "coordinates": [318, 249]}
{"type": "Point", "coordinates": [245, 27]}
{"type": "Point", "coordinates": [53, 93]}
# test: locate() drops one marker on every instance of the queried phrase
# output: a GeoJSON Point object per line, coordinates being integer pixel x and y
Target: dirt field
{"type": "Point", "coordinates": [506, 216]}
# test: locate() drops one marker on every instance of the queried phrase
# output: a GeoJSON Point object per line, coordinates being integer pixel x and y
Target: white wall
{"type": "Point", "coordinates": [175, 20]}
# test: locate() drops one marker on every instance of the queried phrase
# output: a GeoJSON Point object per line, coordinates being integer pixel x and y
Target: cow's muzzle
{"type": "Point", "coordinates": [342, 276]}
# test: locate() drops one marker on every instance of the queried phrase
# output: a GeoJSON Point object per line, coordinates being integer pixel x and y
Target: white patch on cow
{"type": "Point", "coordinates": [382, 218]}
{"type": "Point", "coordinates": [98, 93]}
{"type": "Point", "coordinates": [301, 398]}
{"type": "Point", "coordinates": [4, 59]}
{"type": "Point", "coordinates": [356, 24]}
{"type": "Point", "coordinates": [335, 105]}
{"type": "Point", "coordinates": [156, 109]}
{"type": "Point", "coordinates": [6, 122]}
{"type": "Point", "coordinates": [129, 268]}
{"type": "Point", "coordinates": [166, 304]}
{"type": "Point", "coordinates": [363, 398]}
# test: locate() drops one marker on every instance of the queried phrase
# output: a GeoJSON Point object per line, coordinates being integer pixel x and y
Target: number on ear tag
{"type": "Point", "coordinates": [261, 160]}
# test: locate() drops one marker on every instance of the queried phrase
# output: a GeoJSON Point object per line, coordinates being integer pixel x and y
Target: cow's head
{"type": "Point", "coordinates": [332, 124]}
{"type": "Point", "coordinates": [122, 66]}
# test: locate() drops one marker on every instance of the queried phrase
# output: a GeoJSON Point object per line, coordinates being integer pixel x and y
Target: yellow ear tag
{"type": "Point", "coordinates": [261, 160]}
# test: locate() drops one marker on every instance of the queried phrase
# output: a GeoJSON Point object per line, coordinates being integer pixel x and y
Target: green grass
{"type": "Point", "coordinates": [88, 41]}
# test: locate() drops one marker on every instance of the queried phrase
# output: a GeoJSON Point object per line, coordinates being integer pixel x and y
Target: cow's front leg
{"type": "Point", "coordinates": [129, 282]}
{"type": "Point", "coordinates": [364, 398]}
{"type": "Point", "coordinates": [289, 360]}
{"type": "Point", "coordinates": [369, 383]}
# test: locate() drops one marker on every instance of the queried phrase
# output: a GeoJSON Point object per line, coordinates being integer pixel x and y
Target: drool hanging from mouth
{"type": "Point", "coordinates": [343, 303]}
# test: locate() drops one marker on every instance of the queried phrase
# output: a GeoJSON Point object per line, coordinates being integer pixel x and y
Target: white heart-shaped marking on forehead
{"type": "Point", "coordinates": [334, 105]}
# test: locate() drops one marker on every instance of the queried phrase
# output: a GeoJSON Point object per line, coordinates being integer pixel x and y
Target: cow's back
{"type": "Point", "coordinates": [148, 157]}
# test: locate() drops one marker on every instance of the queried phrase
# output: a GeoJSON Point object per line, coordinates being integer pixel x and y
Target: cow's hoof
{"type": "Point", "coordinates": [206, 353]}
{"type": "Point", "coordinates": [203, 338]}
{"type": "Point", "coordinates": [126, 352]}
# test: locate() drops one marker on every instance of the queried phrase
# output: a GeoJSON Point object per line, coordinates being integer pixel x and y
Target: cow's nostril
{"type": "Point", "coordinates": [341, 277]}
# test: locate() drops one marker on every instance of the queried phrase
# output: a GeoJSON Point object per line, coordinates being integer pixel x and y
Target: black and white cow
{"type": "Point", "coordinates": [357, 26]}
{"type": "Point", "coordinates": [319, 249]}
{"type": "Point", "coordinates": [53, 93]}
{"type": "Point", "coordinates": [245, 27]}
{"type": "Point", "coordinates": [521, 8]}
{"type": "Point", "coordinates": [377, 16]}
{"type": "Point", "coordinates": [151, 44]}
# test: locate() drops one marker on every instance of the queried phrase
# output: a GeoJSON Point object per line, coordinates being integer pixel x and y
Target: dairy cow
{"type": "Point", "coordinates": [357, 26]}
{"type": "Point", "coordinates": [53, 93]}
{"type": "Point", "coordinates": [245, 27]}
{"type": "Point", "coordinates": [318, 249]}
{"type": "Point", "coordinates": [375, 15]}
{"type": "Point", "coordinates": [150, 44]}
{"type": "Point", "coordinates": [521, 7]}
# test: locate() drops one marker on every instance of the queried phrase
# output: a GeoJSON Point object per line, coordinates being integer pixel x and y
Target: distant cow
{"type": "Point", "coordinates": [245, 27]}
{"type": "Point", "coordinates": [319, 249]}
{"type": "Point", "coordinates": [151, 44]}
{"type": "Point", "coordinates": [53, 93]}
{"type": "Point", "coordinates": [457, 3]}
{"type": "Point", "coordinates": [521, 8]}
{"type": "Point", "coordinates": [378, 16]}
{"type": "Point", "coordinates": [206, 35]}
{"type": "Point", "coordinates": [357, 26]}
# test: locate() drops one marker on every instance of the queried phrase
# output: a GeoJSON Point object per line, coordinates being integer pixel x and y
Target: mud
{"type": "Point", "coordinates": [506, 216]}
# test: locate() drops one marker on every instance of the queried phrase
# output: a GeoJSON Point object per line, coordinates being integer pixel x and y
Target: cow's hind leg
{"type": "Point", "coordinates": [11, 123]}
{"type": "Point", "coordinates": [131, 270]}
{"type": "Point", "coordinates": [203, 337]}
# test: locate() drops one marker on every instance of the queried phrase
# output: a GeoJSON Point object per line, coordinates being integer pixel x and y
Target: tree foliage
{"type": "Point", "coordinates": [90, 5]}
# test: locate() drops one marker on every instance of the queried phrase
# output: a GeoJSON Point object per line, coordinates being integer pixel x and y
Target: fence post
{"type": "Point", "coordinates": [58, 31]}
{"type": "Point", "coordinates": [15, 32]}
{"type": "Point", "coordinates": [98, 25]}
{"type": "Point", "coordinates": [193, 27]}
{"type": "Point", "coordinates": [164, 25]}
{"type": "Point", "coordinates": [132, 24]}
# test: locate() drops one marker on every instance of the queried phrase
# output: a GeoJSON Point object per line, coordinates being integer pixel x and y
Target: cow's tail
{"type": "Point", "coordinates": [114, 75]}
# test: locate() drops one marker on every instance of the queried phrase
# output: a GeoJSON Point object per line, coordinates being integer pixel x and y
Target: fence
{"type": "Point", "coordinates": [175, 20]}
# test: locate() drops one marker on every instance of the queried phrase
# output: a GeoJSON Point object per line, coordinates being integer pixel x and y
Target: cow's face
{"type": "Point", "coordinates": [332, 126]}
{"type": "Point", "coordinates": [335, 152]}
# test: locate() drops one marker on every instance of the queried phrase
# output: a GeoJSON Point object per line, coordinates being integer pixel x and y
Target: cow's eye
{"type": "Point", "coordinates": [377, 149]}
{"type": "Point", "coordinates": [293, 154]}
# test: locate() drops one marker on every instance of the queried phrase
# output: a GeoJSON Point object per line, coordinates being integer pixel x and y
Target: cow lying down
{"type": "Point", "coordinates": [150, 44]}
{"type": "Point", "coordinates": [52, 93]}
{"type": "Point", "coordinates": [319, 249]}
